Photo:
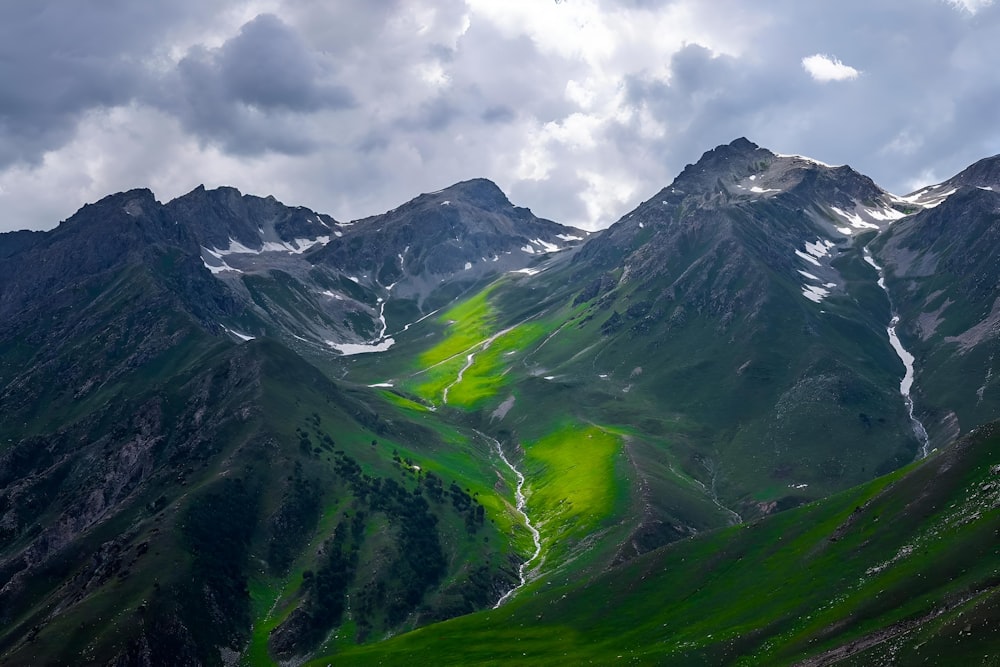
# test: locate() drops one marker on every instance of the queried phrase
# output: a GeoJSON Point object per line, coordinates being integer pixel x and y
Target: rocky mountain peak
{"type": "Point", "coordinates": [120, 206]}
{"type": "Point", "coordinates": [464, 232]}
{"type": "Point", "coordinates": [480, 192]}
{"type": "Point", "coordinates": [726, 162]}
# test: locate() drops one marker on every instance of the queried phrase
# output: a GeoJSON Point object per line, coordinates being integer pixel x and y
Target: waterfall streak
{"type": "Point", "coordinates": [521, 508]}
{"type": "Point", "coordinates": [906, 384]}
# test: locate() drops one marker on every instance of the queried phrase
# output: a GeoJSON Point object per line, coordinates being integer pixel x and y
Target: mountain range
{"type": "Point", "coordinates": [750, 422]}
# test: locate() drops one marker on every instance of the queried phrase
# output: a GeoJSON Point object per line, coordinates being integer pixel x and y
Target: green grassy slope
{"type": "Point", "coordinates": [601, 481]}
{"type": "Point", "coordinates": [905, 566]}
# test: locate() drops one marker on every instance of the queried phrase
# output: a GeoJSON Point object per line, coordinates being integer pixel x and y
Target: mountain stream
{"type": "Point", "coordinates": [907, 382]}
{"type": "Point", "coordinates": [521, 508]}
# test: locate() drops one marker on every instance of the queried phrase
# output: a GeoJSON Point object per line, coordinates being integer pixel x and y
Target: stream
{"type": "Point", "coordinates": [907, 382]}
{"type": "Point", "coordinates": [469, 360]}
{"type": "Point", "coordinates": [520, 506]}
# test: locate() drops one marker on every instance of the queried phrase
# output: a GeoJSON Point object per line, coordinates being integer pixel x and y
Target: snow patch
{"type": "Point", "coordinates": [446, 202]}
{"type": "Point", "coordinates": [808, 275]}
{"type": "Point", "coordinates": [468, 265]}
{"type": "Point", "coordinates": [854, 219]}
{"type": "Point", "coordinates": [348, 349]}
{"type": "Point", "coordinates": [528, 249]}
{"type": "Point", "coordinates": [926, 197]}
{"type": "Point", "coordinates": [808, 258]}
{"type": "Point", "coordinates": [819, 249]}
{"type": "Point", "coordinates": [548, 247]}
{"type": "Point", "coordinates": [806, 159]}
{"type": "Point", "coordinates": [886, 213]}
{"type": "Point", "coordinates": [570, 237]}
{"type": "Point", "coordinates": [241, 336]}
{"type": "Point", "coordinates": [296, 247]}
{"type": "Point", "coordinates": [814, 294]}
{"type": "Point", "coordinates": [219, 269]}
{"type": "Point", "coordinates": [386, 385]}
{"type": "Point", "coordinates": [530, 272]}
{"type": "Point", "coordinates": [904, 355]}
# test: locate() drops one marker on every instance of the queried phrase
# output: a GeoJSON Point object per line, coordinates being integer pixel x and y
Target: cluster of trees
{"type": "Point", "coordinates": [409, 565]}
{"type": "Point", "coordinates": [218, 528]}
{"type": "Point", "coordinates": [461, 500]}
{"type": "Point", "coordinates": [292, 525]}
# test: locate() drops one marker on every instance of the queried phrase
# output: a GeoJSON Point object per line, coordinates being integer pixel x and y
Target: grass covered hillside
{"type": "Point", "coordinates": [902, 570]}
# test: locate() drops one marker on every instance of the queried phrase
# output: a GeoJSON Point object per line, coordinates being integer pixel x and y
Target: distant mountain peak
{"type": "Point", "coordinates": [742, 143]}
{"type": "Point", "coordinates": [726, 159]}
{"type": "Point", "coordinates": [480, 192]}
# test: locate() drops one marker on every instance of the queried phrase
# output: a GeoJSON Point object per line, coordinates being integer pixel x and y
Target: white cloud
{"type": "Point", "coordinates": [904, 143]}
{"type": "Point", "coordinates": [824, 68]}
{"type": "Point", "coordinates": [922, 180]}
{"type": "Point", "coordinates": [970, 6]}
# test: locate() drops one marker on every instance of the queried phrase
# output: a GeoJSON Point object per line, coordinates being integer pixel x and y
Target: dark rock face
{"type": "Point", "coordinates": [127, 229]}
{"type": "Point", "coordinates": [218, 217]}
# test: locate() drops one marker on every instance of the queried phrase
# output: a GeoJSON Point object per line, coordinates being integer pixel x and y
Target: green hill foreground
{"type": "Point", "coordinates": [902, 570]}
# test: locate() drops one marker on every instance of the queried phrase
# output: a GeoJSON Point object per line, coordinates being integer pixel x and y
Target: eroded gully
{"type": "Point", "coordinates": [906, 384]}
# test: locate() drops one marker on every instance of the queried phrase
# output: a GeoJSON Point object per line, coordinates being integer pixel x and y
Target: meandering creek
{"type": "Point", "coordinates": [906, 384]}
{"type": "Point", "coordinates": [520, 505]}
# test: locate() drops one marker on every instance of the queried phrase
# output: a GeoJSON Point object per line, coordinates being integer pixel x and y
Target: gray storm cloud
{"type": "Point", "coordinates": [578, 109]}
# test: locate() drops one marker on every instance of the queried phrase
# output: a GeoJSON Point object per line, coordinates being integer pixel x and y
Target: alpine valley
{"type": "Point", "coordinates": [749, 423]}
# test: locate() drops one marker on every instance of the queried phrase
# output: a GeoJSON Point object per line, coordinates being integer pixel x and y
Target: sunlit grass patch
{"type": "Point", "coordinates": [468, 322]}
{"type": "Point", "coordinates": [573, 483]}
{"type": "Point", "coordinates": [488, 372]}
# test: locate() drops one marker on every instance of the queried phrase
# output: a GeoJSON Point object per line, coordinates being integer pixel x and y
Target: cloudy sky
{"type": "Point", "coordinates": [579, 109]}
